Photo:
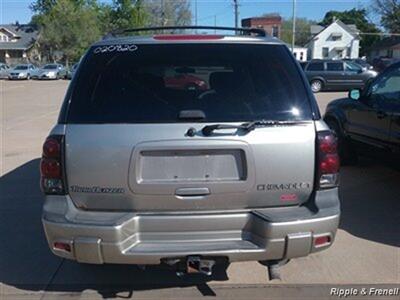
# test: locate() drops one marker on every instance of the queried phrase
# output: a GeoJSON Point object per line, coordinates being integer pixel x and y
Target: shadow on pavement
{"type": "Point", "coordinates": [370, 210]}
{"type": "Point", "coordinates": [27, 263]}
{"type": "Point", "coordinates": [370, 202]}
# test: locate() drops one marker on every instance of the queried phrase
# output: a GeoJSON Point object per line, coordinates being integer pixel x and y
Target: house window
{"type": "Point", "coordinates": [348, 52]}
{"type": "Point", "coordinates": [295, 54]}
{"type": "Point", "coordinates": [301, 55]}
{"type": "Point", "coordinates": [3, 38]}
{"type": "Point", "coordinates": [339, 53]}
{"type": "Point", "coordinates": [325, 52]}
{"type": "Point", "coordinates": [275, 31]}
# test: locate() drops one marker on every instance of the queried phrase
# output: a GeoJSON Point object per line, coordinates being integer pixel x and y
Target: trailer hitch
{"type": "Point", "coordinates": [192, 265]}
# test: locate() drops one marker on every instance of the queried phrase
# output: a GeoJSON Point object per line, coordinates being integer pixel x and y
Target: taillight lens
{"type": "Point", "coordinates": [328, 160]}
{"type": "Point", "coordinates": [51, 148]}
{"type": "Point", "coordinates": [51, 166]}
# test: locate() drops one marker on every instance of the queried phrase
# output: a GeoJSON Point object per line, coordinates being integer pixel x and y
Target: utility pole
{"type": "Point", "coordinates": [195, 12]}
{"type": "Point", "coordinates": [236, 6]}
{"type": "Point", "coordinates": [162, 13]}
{"type": "Point", "coordinates": [294, 25]}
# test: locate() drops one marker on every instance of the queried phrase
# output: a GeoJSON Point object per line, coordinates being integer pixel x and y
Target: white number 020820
{"type": "Point", "coordinates": [115, 48]}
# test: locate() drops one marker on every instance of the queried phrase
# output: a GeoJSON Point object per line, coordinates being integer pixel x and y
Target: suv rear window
{"type": "Point", "coordinates": [318, 66]}
{"type": "Point", "coordinates": [154, 83]}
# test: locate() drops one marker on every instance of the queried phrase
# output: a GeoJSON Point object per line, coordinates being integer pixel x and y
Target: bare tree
{"type": "Point", "coordinates": [169, 13]}
{"type": "Point", "coordinates": [389, 12]}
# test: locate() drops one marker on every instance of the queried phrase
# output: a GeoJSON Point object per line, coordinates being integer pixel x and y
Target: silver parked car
{"type": "Point", "coordinates": [23, 71]}
{"type": "Point", "coordinates": [137, 171]}
{"type": "Point", "coordinates": [71, 72]}
{"type": "Point", "coordinates": [52, 71]}
{"type": "Point", "coordinates": [4, 70]}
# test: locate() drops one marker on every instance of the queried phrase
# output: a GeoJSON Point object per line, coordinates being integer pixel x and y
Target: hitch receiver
{"type": "Point", "coordinates": [195, 264]}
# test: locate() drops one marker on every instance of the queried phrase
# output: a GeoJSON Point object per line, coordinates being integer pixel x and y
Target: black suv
{"type": "Point", "coordinates": [369, 117]}
{"type": "Point", "coordinates": [336, 75]}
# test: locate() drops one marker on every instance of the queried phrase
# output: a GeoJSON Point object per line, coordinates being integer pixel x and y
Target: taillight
{"type": "Point", "coordinates": [328, 160]}
{"type": "Point", "coordinates": [52, 179]}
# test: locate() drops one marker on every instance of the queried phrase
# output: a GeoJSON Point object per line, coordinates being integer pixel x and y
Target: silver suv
{"type": "Point", "coordinates": [189, 149]}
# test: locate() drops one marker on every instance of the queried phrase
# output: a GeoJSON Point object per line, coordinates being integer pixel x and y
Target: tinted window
{"type": "Point", "coordinates": [334, 66]}
{"type": "Point", "coordinates": [319, 66]}
{"type": "Point", "coordinates": [350, 66]}
{"type": "Point", "coordinates": [21, 68]}
{"type": "Point", "coordinates": [50, 67]}
{"type": "Point", "coordinates": [303, 65]}
{"type": "Point", "coordinates": [156, 82]}
{"type": "Point", "coordinates": [385, 91]}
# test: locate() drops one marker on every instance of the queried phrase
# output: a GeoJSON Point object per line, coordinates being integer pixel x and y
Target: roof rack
{"type": "Point", "coordinates": [244, 31]}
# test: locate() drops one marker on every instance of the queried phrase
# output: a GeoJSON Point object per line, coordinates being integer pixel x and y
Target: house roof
{"type": "Point", "coordinates": [387, 43]}
{"type": "Point", "coordinates": [350, 28]}
{"type": "Point", "coordinates": [295, 46]}
{"type": "Point", "coordinates": [315, 29]}
{"type": "Point", "coordinates": [26, 36]}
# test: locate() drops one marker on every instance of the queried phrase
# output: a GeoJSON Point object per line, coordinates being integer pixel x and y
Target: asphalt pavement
{"type": "Point", "coordinates": [366, 250]}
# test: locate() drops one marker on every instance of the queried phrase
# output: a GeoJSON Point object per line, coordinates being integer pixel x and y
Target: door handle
{"type": "Point", "coordinates": [192, 192]}
{"type": "Point", "coordinates": [381, 114]}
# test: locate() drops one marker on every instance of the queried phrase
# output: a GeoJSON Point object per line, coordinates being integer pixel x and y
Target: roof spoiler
{"type": "Point", "coordinates": [240, 30]}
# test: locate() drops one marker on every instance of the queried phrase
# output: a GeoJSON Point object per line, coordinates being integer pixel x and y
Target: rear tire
{"type": "Point", "coordinates": [316, 85]}
{"type": "Point", "coordinates": [347, 153]}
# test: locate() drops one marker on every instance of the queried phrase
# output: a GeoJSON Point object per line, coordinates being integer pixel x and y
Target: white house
{"type": "Point", "coordinates": [18, 43]}
{"type": "Point", "coordinates": [335, 41]}
{"type": "Point", "coordinates": [300, 53]}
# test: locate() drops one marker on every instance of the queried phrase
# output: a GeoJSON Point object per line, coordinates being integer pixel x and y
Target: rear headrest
{"type": "Point", "coordinates": [149, 80]}
{"type": "Point", "coordinates": [224, 81]}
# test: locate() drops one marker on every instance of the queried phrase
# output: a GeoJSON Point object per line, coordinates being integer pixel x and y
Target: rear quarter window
{"type": "Point", "coordinates": [154, 83]}
{"type": "Point", "coordinates": [318, 66]}
{"type": "Point", "coordinates": [334, 66]}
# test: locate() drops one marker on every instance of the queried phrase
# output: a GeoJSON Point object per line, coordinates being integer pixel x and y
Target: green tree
{"type": "Point", "coordinates": [303, 34]}
{"type": "Point", "coordinates": [41, 7]}
{"type": "Point", "coordinates": [125, 14]}
{"type": "Point", "coordinates": [69, 28]}
{"type": "Point", "coordinates": [359, 18]}
{"type": "Point", "coordinates": [389, 11]}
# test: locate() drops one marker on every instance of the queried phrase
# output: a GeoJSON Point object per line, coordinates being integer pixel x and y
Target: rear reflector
{"type": "Point", "coordinates": [322, 241]}
{"type": "Point", "coordinates": [62, 246]}
{"type": "Point", "coordinates": [180, 37]}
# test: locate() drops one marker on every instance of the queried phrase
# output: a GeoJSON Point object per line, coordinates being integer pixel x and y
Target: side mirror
{"type": "Point", "coordinates": [355, 94]}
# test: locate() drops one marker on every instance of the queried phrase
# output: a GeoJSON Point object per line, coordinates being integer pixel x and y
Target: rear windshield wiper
{"type": "Point", "coordinates": [249, 126]}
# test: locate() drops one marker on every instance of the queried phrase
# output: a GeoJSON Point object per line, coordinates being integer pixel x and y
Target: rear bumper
{"type": "Point", "coordinates": [129, 238]}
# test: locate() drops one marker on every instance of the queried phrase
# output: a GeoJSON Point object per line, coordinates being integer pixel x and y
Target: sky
{"type": "Point", "coordinates": [221, 11]}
